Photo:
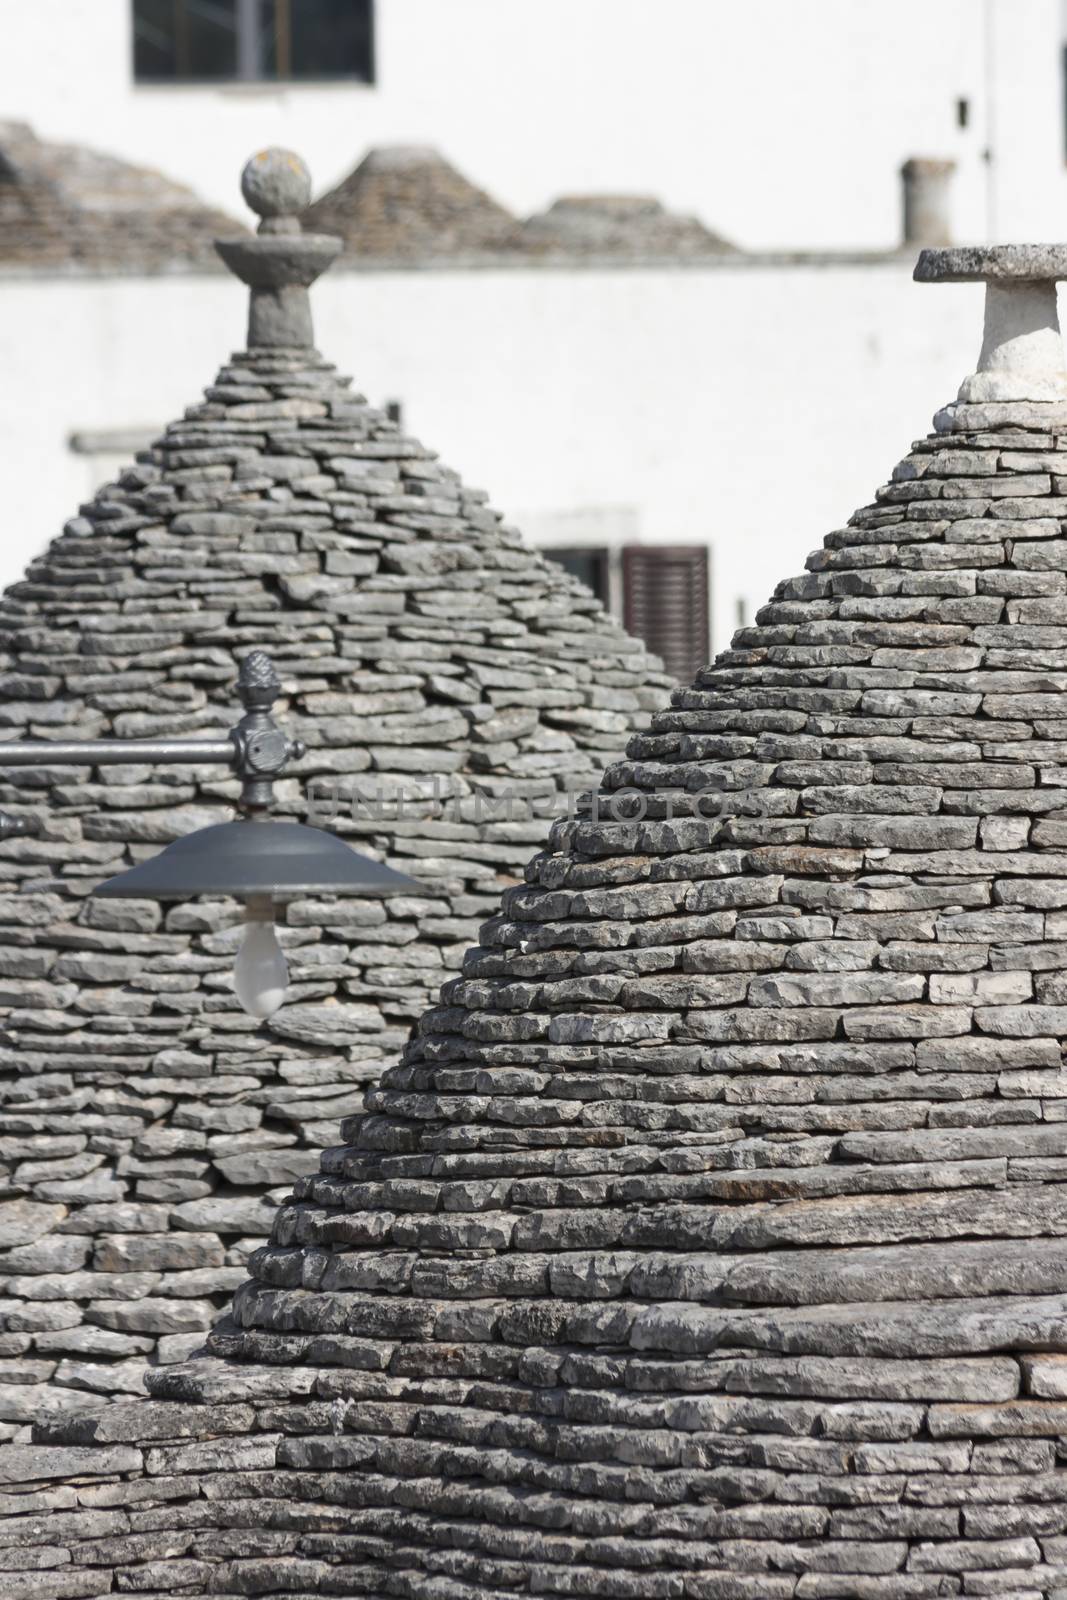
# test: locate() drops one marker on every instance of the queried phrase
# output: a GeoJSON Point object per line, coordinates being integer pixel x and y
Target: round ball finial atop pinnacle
{"type": "Point", "coordinates": [276, 183]}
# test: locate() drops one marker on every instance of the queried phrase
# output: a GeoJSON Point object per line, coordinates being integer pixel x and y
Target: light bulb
{"type": "Point", "coordinates": [260, 973]}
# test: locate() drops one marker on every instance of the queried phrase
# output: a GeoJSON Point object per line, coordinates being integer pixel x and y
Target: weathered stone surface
{"type": "Point", "coordinates": [21, 1462]}
{"type": "Point", "coordinates": [23, 1221]}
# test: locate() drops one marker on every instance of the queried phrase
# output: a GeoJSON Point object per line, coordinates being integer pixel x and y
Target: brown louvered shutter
{"type": "Point", "coordinates": [665, 602]}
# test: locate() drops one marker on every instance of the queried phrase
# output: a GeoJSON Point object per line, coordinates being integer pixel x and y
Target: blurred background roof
{"type": "Point", "coordinates": [63, 204]}
{"type": "Point", "coordinates": [779, 123]}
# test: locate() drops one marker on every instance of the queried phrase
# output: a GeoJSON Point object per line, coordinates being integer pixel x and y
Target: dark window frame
{"type": "Point", "coordinates": [569, 556]}
{"type": "Point", "coordinates": [246, 50]}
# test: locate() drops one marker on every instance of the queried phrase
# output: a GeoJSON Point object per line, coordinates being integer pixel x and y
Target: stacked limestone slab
{"type": "Point", "coordinates": [148, 1127]}
{"type": "Point", "coordinates": [710, 1240]}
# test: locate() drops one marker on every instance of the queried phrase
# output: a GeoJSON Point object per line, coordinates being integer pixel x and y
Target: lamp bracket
{"type": "Point", "coordinates": [257, 749]}
{"type": "Point", "coordinates": [263, 750]}
{"type": "Point", "coordinates": [12, 827]}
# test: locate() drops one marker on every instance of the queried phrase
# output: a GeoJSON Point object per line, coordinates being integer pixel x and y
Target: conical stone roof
{"type": "Point", "coordinates": [407, 201]}
{"type": "Point", "coordinates": [64, 206]}
{"type": "Point", "coordinates": [618, 226]}
{"type": "Point", "coordinates": [147, 1125]}
{"type": "Point", "coordinates": [710, 1239]}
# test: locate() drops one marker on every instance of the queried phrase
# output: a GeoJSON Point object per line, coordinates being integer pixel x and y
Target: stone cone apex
{"type": "Point", "coordinates": [710, 1239]}
{"type": "Point", "coordinates": [148, 1127]}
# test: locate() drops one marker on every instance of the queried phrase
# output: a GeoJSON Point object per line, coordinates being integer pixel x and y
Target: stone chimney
{"type": "Point", "coordinates": [926, 183]}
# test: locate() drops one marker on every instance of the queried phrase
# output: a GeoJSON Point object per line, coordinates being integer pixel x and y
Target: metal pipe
{"type": "Point", "coordinates": [113, 752]}
{"type": "Point", "coordinates": [989, 154]}
{"type": "Point", "coordinates": [249, 50]}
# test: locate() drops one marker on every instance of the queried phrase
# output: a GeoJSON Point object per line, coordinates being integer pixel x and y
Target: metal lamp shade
{"type": "Point", "coordinates": [244, 859]}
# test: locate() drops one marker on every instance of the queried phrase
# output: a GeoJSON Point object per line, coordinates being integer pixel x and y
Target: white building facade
{"type": "Point", "coordinates": [782, 123]}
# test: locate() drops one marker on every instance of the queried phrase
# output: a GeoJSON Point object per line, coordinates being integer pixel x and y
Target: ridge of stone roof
{"type": "Point", "coordinates": [709, 1238]}
{"type": "Point", "coordinates": [148, 1127]}
{"type": "Point", "coordinates": [63, 204]}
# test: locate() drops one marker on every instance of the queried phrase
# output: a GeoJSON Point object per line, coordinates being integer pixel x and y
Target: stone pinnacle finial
{"type": "Point", "coordinates": [1022, 355]}
{"type": "Point", "coordinates": [280, 263]}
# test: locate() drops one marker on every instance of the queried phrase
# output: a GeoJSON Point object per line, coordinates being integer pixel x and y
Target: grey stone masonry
{"type": "Point", "coordinates": [709, 1241]}
{"type": "Point", "coordinates": [148, 1127]}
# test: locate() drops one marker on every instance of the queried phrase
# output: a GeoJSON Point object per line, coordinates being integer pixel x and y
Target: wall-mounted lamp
{"type": "Point", "coordinates": [255, 860]}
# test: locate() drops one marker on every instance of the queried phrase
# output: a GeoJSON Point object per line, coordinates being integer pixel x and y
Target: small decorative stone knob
{"type": "Point", "coordinates": [1022, 355]}
{"type": "Point", "coordinates": [280, 263]}
{"type": "Point", "coordinates": [276, 185]}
